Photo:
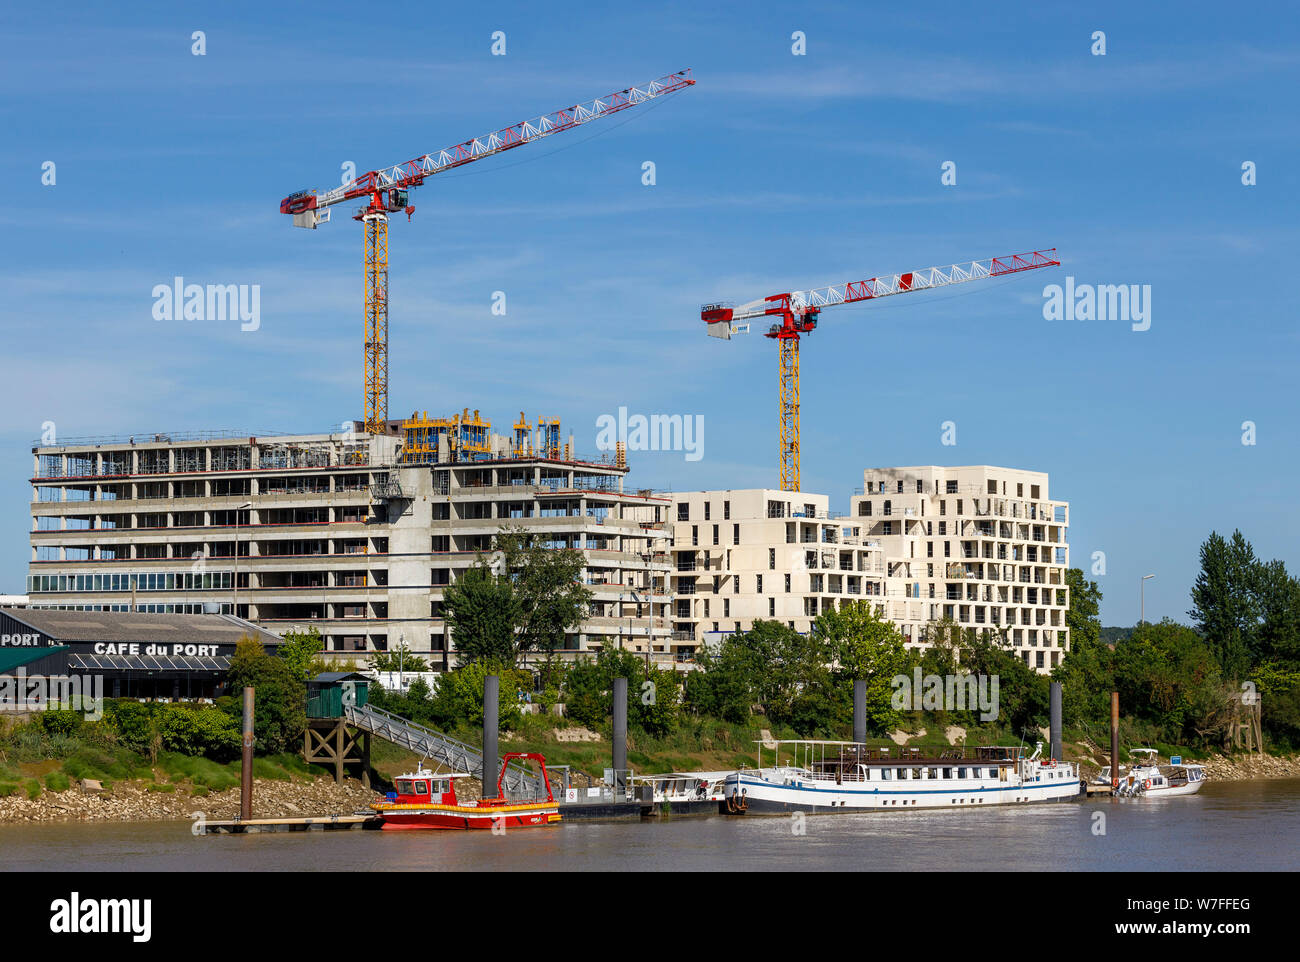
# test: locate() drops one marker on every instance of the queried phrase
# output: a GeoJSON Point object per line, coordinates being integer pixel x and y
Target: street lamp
{"type": "Point", "coordinates": [246, 504]}
{"type": "Point", "coordinates": [1142, 609]}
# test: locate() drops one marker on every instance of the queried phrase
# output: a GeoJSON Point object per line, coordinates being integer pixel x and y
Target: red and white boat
{"type": "Point", "coordinates": [427, 799]}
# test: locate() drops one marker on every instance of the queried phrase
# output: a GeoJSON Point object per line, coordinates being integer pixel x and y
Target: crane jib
{"type": "Point", "coordinates": [413, 172]}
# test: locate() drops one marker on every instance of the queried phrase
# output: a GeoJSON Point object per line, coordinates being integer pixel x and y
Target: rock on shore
{"type": "Point", "coordinates": [1252, 766]}
{"type": "Point", "coordinates": [132, 802]}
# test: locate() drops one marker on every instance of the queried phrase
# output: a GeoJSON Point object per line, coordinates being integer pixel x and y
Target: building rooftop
{"type": "Point", "coordinates": [130, 626]}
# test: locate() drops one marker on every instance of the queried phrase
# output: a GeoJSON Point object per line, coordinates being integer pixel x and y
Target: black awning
{"type": "Point", "coordinates": [187, 664]}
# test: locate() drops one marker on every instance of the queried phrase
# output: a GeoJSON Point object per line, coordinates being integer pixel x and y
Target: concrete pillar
{"type": "Point", "coordinates": [1056, 719]}
{"type": "Point", "coordinates": [620, 731]}
{"type": "Point", "coordinates": [859, 710]}
{"type": "Point", "coordinates": [491, 718]}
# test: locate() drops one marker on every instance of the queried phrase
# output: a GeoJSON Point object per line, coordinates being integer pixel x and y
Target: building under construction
{"type": "Point", "coordinates": [356, 533]}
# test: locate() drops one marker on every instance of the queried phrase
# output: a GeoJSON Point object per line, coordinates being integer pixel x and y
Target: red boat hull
{"type": "Point", "coordinates": [466, 817]}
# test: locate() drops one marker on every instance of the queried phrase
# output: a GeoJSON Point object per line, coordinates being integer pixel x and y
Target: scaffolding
{"type": "Point", "coordinates": [465, 435]}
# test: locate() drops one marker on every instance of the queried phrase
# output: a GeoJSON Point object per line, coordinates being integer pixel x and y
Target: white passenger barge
{"type": "Point", "coordinates": [843, 777]}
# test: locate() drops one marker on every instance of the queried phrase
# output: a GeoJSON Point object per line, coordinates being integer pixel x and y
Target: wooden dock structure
{"type": "Point", "coordinates": [314, 823]}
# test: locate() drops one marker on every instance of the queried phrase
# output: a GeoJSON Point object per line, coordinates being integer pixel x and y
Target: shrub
{"type": "Point", "coordinates": [33, 788]}
{"type": "Point", "coordinates": [60, 721]}
{"type": "Point", "coordinates": [7, 789]}
{"type": "Point", "coordinates": [57, 782]}
{"type": "Point", "coordinates": [201, 731]}
{"type": "Point", "coordinates": [133, 723]}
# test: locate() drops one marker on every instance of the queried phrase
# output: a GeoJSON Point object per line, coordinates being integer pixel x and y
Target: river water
{"type": "Point", "coordinates": [1228, 826]}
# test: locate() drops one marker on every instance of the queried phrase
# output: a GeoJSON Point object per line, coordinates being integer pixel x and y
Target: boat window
{"type": "Point", "coordinates": [974, 773]}
{"type": "Point", "coordinates": [947, 773]}
{"type": "Point", "coordinates": [902, 773]}
{"type": "Point", "coordinates": [403, 788]}
{"type": "Point", "coordinates": [441, 788]}
{"type": "Point", "coordinates": [421, 788]}
{"type": "Point", "coordinates": [961, 773]}
{"type": "Point", "coordinates": [884, 774]}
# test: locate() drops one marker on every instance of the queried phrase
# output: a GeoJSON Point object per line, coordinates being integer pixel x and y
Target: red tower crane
{"type": "Point", "coordinates": [798, 313]}
{"type": "Point", "coordinates": [385, 192]}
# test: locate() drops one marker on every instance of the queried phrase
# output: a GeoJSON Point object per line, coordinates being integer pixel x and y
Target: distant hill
{"type": "Point", "coordinates": [1111, 635]}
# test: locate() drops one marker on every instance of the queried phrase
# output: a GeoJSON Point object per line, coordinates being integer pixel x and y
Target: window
{"type": "Point", "coordinates": [947, 549]}
{"type": "Point", "coordinates": [759, 584]}
{"type": "Point", "coordinates": [683, 511]}
{"type": "Point", "coordinates": [706, 511]}
{"type": "Point", "coordinates": [787, 583]}
{"type": "Point", "coordinates": [887, 509]}
{"type": "Point", "coordinates": [950, 487]}
{"type": "Point", "coordinates": [771, 558]}
{"type": "Point", "coordinates": [726, 607]}
{"type": "Point", "coordinates": [715, 534]}
{"type": "Point", "coordinates": [920, 486]}
{"type": "Point", "coordinates": [726, 511]}
{"type": "Point", "coordinates": [771, 607]}
{"type": "Point", "coordinates": [864, 509]}
{"type": "Point", "coordinates": [735, 534]}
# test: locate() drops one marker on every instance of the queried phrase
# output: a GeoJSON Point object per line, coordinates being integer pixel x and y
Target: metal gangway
{"type": "Point", "coordinates": [454, 754]}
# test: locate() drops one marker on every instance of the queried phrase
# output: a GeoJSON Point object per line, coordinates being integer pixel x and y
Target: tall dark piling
{"type": "Point", "coordinates": [1114, 738]}
{"type": "Point", "coordinates": [860, 710]}
{"type": "Point", "coordinates": [246, 762]}
{"type": "Point", "coordinates": [1055, 723]}
{"type": "Point", "coordinates": [620, 732]}
{"type": "Point", "coordinates": [491, 720]}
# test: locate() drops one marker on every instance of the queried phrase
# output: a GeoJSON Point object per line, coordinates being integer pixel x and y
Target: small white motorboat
{"type": "Point", "coordinates": [1146, 779]}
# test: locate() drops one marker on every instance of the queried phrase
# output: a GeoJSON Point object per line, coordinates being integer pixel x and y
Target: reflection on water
{"type": "Point", "coordinates": [1227, 826]}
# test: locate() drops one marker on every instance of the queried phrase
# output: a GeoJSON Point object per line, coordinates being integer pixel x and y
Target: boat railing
{"type": "Point", "coordinates": [923, 755]}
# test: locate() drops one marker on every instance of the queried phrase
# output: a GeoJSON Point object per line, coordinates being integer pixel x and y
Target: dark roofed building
{"type": "Point", "coordinates": [138, 654]}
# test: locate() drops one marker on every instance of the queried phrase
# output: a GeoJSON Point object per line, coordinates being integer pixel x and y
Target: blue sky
{"type": "Point", "coordinates": [775, 172]}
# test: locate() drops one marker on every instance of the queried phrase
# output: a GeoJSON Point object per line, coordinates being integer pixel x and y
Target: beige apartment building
{"type": "Point", "coordinates": [981, 546]}
{"type": "Point", "coordinates": [742, 555]}
{"type": "Point", "coordinates": [351, 532]}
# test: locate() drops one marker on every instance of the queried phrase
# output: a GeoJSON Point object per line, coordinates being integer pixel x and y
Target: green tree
{"type": "Point", "coordinates": [398, 659]}
{"type": "Point", "coordinates": [1082, 618]}
{"type": "Point", "coordinates": [547, 588]}
{"type": "Point", "coordinates": [862, 645]}
{"type": "Point", "coordinates": [299, 651]}
{"type": "Point", "coordinates": [1225, 601]}
{"type": "Point", "coordinates": [458, 700]}
{"type": "Point", "coordinates": [785, 674]}
{"type": "Point", "coordinates": [280, 697]}
{"type": "Point", "coordinates": [1278, 596]}
{"type": "Point", "coordinates": [1168, 675]}
{"type": "Point", "coordinates": [483, 612]}
{"type": "Point", "coordinates": [653, 696]}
